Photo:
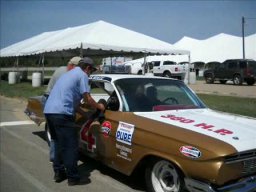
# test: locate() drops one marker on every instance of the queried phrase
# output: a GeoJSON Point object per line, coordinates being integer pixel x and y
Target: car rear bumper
{"type": "Point", "coordinates": [245, 185]}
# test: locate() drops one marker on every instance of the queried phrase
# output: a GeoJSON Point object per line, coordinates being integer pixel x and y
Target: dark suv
{"type": "Point", "coordinates": [237, 70]}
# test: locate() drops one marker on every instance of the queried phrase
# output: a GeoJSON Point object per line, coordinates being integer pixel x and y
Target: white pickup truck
{"type": "Point", "coordinates": [159, 66]}
{"type": "Point", "coordinates": [168, 68]}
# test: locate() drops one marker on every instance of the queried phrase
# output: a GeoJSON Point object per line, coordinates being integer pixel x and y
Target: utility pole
{"type": "Point", "coordinates": [243, 21]}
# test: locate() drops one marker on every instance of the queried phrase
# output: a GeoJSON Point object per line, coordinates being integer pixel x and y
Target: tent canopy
{"type": "Point", "coordinates": [218, 48]}
{"type": "Point", "coordinates": [93, 39]}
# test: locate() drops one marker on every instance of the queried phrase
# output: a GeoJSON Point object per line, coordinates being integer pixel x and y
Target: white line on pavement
{"type": "Point", "coordinates": [12, 123]}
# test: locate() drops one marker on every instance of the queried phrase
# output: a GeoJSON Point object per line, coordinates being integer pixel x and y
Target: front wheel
{"type": "Point", "coordinates": [237, 80]}
{"type": "Point", "coordinates": [209, 78]}
{"type": "Point", "coordinates": [163, 176]}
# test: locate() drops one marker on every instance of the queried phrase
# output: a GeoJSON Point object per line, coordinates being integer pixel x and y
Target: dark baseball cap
{"type": "Point", "coordinates": [89, 61]}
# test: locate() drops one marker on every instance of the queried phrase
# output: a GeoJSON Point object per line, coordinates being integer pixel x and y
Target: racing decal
{"type": "Point", "coordinates": [199, 125]}
{"type": "Point", "coordinates": [87, 137]}
{"type": "Point", "coordinates": [124, 152]}
{"type": "Point", "coordinates": [190, 151]}
{"type": "Point", "coordinates": [106, 128]}
{"type": "Point", "coordinates": [124, 133]}
{"type": "Point", "coordinates": [100, 78]}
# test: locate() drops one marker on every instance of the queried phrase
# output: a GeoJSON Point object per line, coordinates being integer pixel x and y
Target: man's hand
{"type": "Point", "coordinates": [101, 107]}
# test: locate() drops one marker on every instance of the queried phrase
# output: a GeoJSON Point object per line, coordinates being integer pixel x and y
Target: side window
{"type": "Point", "coordinates": [156, 63]}
{"type": "Point", "coordinates": [242, 64]}
{"type": "Point", "coordinates": [220, 66]}
{"type": "Point", "coordinates": [232, 65]}
{"type": "Point", "coordinates": [169, 63]}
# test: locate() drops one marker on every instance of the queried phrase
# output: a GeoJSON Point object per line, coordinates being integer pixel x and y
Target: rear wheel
{"type": "Point", "coordinates": [209, 78]}
{"type": "Point", "coordinates": [167, 74]}
{"type": "Point", "coordinates": [250, 81]}
{"type": "Point", "coordinates": [237, 80]}
{"type": "Point", "coordinates": [163, 176]}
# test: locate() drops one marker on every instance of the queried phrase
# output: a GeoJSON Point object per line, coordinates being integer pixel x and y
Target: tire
{"type": "Point", "coordinates": [209, 78]}
{"type": "Point", "coordinates": [162, 176]}
{"type": "Point", "coordinates": [167, 74]}
{"type": "Point", "coordinates": [237, 80]}
{"type": "Point", "coordinates": [250, 82]}
{"type": "Point", "coordinates": [47, 134]}
{"type": "Point", "coordinates": [223, 81]}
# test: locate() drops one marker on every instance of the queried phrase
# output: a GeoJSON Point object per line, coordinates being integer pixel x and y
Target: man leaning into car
{"type": "Point", "coordinates": [59, 111]}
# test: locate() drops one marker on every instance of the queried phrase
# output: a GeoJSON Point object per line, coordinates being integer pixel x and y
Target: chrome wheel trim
{"type": "Point", "coordinates": [165, 177]}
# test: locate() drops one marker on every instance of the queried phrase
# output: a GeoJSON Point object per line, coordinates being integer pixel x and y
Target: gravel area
{"type": "Point", "coordinates": [227, 89]}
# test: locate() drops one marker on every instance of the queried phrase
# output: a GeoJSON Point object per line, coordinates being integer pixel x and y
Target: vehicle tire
{"type": "Point", "coordinates": [223, 81]}
{"type": "Point", "coordinates": [250, 81]}
{"type": "Point", "coordinates": [162, 176]}
{"type": "Point", "coordinates": [167, 74]}
{"type": "Point", "coordinates": [209, 78]}
{"type": "Point", "coordinates": [237, 80]}
{"type": "Point", "coordinates": [139, 72]}
{"type": "Point", "coordinates": [47, 134]}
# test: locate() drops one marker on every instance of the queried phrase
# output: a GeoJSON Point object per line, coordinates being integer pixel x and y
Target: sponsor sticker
{"type": "Point", "coordinates": [124, 133]}
{"type": "Point", "coordinates": [106, 128]}
{"type": "Point", "coordinates": [190, 151]}
{"type": "Point", "coordinates": [124, 152]}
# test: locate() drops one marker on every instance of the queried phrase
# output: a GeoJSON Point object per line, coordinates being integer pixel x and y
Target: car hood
{"type": "Point", "coordinates": [238, 131]}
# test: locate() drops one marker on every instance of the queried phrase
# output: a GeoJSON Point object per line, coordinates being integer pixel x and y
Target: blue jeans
{"type": "Point", "coordinates": [52, 150]}
{"type": "Point", "coordinates": [66, 144]}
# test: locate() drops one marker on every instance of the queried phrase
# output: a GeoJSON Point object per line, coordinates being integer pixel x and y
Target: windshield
{"type": "Point", "coordinates": [150, 94]}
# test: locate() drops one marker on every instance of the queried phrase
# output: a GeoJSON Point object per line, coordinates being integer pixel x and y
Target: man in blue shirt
{"type": "Point", "coordinates": [73, 62]}
{"type": "Point", "coordinates": [59, 111]}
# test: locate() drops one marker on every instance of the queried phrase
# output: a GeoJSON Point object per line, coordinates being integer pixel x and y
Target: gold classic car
{"type": "Point", "coordinates": [161, 126]}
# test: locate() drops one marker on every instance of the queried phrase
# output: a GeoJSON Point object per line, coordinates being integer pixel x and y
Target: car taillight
{"type": "Point", "coordinates": [176, 69]}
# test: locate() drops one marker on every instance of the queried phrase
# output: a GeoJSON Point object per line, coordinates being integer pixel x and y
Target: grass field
{"type": "Point", "coordinates": [237, 105]}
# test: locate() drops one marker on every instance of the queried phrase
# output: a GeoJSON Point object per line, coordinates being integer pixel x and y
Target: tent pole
{"type": "Point", "coordinates": [144, 63]}
{"type": "Point", "coordinates": [81, 50]}
{"type": "Point", "coordinates": [189, 65]}
{"type": "Point", "coordinates": [42, 61]}
{"type": "Point", "coordinates": [111, 64]}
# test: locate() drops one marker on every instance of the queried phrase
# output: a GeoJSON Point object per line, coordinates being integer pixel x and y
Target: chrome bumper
{"type": "Point", "coordinates": [246, 185]}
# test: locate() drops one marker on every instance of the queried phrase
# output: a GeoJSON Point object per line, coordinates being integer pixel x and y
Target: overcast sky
{"type": "Point", "coordinates": [166, 20]}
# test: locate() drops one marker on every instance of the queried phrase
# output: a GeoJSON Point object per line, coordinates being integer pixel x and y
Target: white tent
{"type": "Point", "coordinates": [218, 48]}
{"type": "Point", "coordinates": [95, 37]}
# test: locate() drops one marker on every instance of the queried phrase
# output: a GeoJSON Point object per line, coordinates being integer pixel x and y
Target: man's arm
{"type": "Point", "coordinates": [90, 101]}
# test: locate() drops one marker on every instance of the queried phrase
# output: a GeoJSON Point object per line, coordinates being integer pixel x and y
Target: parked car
{"type": "Point", "coordinates": [160, 126]}
{"type": "Point", "coordinates": [116, 69]}
{"type": "Point", "coordinates": [237, 70]}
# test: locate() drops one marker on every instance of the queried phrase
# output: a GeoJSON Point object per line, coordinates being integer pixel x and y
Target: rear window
{"type": "Point", "coordinates": [169, 63]}
{"type": "Point", "coordinates": [156, 63]}
{"type": "Point", "coordinates": [242, 64]}
{"type": "Point", "coordinates": [232, 65]}
{"type": "Point", "coordinates": [252, 65]}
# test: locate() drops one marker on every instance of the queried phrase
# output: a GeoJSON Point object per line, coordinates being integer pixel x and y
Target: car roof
{"type": "Point", "coordinates": [114, 77]}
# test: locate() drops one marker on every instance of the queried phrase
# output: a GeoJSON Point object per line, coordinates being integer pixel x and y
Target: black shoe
{"type": "Point", "coordinates": [60, 176]}
{"type": "Point", "coordinates": [83, 181]}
